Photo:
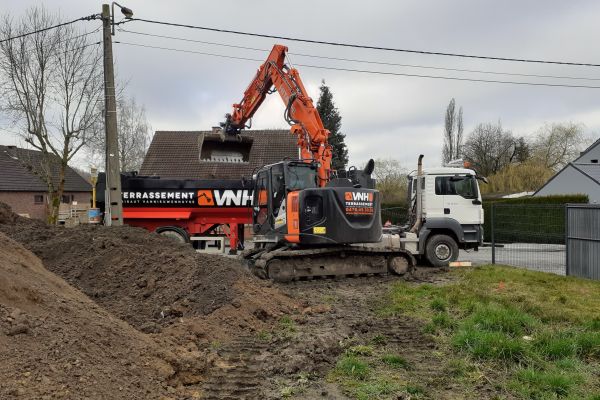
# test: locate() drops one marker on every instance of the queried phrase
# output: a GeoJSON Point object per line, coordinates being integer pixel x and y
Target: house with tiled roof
{"type": "Point", "coordinates": [24, 190]}
{"type": "Point", "coordinates": [581, 176]}
{"type": "Point", "coordinates": [211, 155]}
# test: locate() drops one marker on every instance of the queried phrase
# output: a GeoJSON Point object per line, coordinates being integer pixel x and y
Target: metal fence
{"type": "Point", "coordinates": [529, 236]}
{"type": "Point", "coordinates": [583, 240]}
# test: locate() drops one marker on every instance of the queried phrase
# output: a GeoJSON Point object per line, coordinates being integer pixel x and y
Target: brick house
{"type": "Point", "coordinates": [25, 192]}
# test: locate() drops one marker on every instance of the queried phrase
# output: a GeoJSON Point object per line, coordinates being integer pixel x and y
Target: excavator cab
{"type": "Point", "coordinates": [291, 207]}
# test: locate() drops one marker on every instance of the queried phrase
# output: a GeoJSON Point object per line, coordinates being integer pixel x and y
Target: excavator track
{"type": "Point", "coordinates": [287, 264]}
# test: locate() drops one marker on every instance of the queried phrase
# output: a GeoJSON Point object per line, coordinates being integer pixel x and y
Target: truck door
{"type": "Point", "coordinates": [462, 200]}
{"type": "Point", "coordinates": [433, 203]}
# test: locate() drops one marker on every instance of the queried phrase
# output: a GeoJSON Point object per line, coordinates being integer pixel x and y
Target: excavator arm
{"type": "Point", "coordinates": [300, 112]}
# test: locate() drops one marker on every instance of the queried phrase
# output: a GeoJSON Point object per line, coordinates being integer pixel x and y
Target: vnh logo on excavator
{"type": "Point", "coordinates": [358, 196]}
{"type": "Point", "coordinates": [359, 203]}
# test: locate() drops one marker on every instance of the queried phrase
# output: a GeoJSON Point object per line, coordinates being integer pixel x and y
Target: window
{"type": "Point", "coordinates": [38, 199]}
{"type": "Point", "coordinates": [67, 198]}
{"type": "Point", "coordinates": [277, 188]}
{"type": "Point", "coordinates": [595, 161]}
{"type": "Point", "coordinates": [301, 176]}
{"type": "Point", "coordinates": [464, 186]}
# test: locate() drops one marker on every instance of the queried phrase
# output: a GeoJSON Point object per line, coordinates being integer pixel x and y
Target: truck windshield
{"type": "Point", "coordinates": [464, 186]}
{"type": "Point", "coordinates": [301, 176]}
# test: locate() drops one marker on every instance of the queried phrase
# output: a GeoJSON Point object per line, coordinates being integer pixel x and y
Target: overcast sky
{"type": "Point", "coordinates": [382, 116]}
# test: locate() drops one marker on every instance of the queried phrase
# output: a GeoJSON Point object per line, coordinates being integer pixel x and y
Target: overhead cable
{"type": "Point", "coordinates": [368, 71]}
{"type": "Point", "coordinates": [362, 60]}
{"type": "Point", "coordinates": [368, 47]}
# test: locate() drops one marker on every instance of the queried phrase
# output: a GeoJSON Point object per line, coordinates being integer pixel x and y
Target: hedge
{"type": "Point", "coordinates": [524, 219]}
{"type": "Point", "coordinates": [529, 219]}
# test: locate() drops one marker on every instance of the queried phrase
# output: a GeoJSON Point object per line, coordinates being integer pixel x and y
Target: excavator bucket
{"type": "Point", "coordinates": [218, 146]}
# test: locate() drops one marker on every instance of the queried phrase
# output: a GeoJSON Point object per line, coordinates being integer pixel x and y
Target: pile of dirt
{"type": "Point", "coordinates": [146, 279]}
{"type": "Point", "coordinates": [56, 343]}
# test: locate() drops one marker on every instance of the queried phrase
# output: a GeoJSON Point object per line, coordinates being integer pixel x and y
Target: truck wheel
{"type": "Point", "coordinates": [175, 235]}
{"type": "Point", "coordinates": [441, 250]}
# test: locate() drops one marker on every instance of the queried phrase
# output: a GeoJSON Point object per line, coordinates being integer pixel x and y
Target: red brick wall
{"type": "Point", "coordinates": [23, 202]}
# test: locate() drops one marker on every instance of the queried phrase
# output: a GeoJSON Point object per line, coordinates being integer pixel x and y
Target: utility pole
{"type": "Point", "coordinates": [113, 201]}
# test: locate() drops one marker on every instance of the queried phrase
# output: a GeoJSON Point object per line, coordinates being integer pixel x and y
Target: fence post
{"type": "Point", "coordinates": [567, 239]}
{"type": "Point", "coordinates": [493, 235]}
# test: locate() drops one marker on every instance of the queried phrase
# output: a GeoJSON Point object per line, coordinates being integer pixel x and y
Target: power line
{"type": "Point", "coordinates": [369, 71]}
{"type": "Point", "coordinates": [359, 46]}
{"type": "Point", "coordinates": [71, 38]}
{"type": "Point", "coordinates": [88, 18]}
{"type": "Point", "coordinates": [362, 60]}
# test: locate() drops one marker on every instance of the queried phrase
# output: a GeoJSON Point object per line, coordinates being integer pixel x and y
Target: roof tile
{"type": "Point", "coordinates": [176, 155]}
{"type": "Point", "coordinates": [19, 168]}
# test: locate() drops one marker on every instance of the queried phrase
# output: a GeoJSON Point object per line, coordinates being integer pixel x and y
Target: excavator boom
{"type": "Point", "coordinates": [300, 112]}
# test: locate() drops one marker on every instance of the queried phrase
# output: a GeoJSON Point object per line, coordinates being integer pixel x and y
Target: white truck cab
{"type": "Point", "coordinates": [451, 212]}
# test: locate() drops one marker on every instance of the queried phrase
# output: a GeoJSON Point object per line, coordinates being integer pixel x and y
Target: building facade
{"type": "Point", "coordinates": [22, 188]}
{"type": "Point", "coordinates": [581, 176]}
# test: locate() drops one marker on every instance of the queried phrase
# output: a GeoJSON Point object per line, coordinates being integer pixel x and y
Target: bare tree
{"type": "Point", "coordinates": [556, 145]}
{"type": "Point", "coordinates": [51, 87]}
{"type": "Point", "coordinates": [134, 136]}
{"type": "Point", "coordinates": [490, 148]}
{"type": "Point", "coordinates": [391, 180]}
{"type": "Point", "coordinates": [453, 133]}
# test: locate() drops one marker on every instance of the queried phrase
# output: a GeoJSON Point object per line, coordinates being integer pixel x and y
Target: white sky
{"type": "Point", "coordinates": [382, 116]}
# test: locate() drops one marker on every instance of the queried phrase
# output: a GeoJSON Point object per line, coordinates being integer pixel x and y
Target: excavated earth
{"type": "Point", "coordinates": [119, 313]}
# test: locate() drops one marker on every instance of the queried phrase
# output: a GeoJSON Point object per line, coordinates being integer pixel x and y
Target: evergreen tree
{"type": "Point", "coordinates": [332, 121]}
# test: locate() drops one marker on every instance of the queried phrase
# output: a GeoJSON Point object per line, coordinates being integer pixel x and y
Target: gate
{"type": "Point", "coordinates": [583, 240]}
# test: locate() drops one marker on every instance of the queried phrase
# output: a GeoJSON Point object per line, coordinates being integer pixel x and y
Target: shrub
{"type": "Point", "coordinates": [529, 219]}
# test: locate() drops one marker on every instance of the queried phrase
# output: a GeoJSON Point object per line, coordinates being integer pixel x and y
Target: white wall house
{"type": "Point", "coordinates": [582, 176]}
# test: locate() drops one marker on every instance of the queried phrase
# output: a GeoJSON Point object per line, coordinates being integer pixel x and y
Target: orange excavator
{"type": "Point", "coordinates": [307, 219]}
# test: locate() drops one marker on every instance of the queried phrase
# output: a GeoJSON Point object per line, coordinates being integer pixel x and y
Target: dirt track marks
{"type": "Point", "coordinates": [237, 371]}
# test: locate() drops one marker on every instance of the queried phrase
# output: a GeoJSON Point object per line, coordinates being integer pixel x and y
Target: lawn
{"type": "Point", "coordinates": [529, 335]}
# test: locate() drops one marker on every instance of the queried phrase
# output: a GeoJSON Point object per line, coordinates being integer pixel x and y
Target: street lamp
{"type": "Point", "coordinates": [124, 10]}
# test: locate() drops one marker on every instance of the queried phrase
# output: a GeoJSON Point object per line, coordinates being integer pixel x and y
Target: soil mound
{"type": "Point", "coordinates": [148, 280]}
{"type": "Point", "coordinates": [56, 343]}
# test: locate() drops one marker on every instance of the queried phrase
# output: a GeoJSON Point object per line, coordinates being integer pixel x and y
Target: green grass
{"type": "Point", "coordinates": [361, 350]}
{"type": "Point", "coordinates": [372, 390]}
{"type": "Point", "coordinates": [264, 336]}
{"type": "Point", "coordinates": [539, 333]}
{"type": "Point", "coordinates": [395, 361]}
{"type": "Point", "coordinates": [534, 384]}
{"type": "Point", "coordinates": [287, 327]}
{"type": "Point", "coordinates": [379, 340]}
{"type": "Point", "coordinates": [352, 366]}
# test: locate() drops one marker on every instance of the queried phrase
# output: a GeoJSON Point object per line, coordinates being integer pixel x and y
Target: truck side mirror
{"type": "Point", "coordinates": [477, 202]}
